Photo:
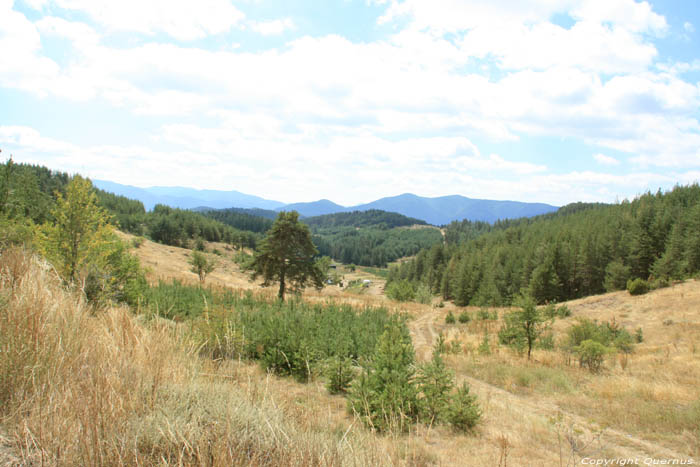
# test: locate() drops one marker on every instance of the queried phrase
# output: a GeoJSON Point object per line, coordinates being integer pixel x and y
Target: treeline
{"type": "Point", "coordinates": [373, 217]}
{"type": "Point", "coordinates": [581, 250]}
{"type": "Point", "coordinates": [373, 246]}
{"type": "Point", "coordinates": [29, 192]}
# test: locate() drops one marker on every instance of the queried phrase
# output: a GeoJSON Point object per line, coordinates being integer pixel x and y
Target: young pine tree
{"type": "Point", "coordinates": [385, 396]}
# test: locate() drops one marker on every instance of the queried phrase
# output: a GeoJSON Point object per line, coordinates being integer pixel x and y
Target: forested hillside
{"type": "Point", "coordinates": [28, 191]}
{"type": "Point", "coordinates": [373, 217]}
{"type": "Point", "coordinates": [252, 220]}
{"type": "Point", "coordinates": [581, 250]}
{"type": "Point", "coordinates": [373, 246]}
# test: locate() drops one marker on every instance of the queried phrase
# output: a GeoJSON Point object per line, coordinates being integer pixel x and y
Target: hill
{"type": "Point", "coordinates": [187, 198]}
{"type": "Point", "coordinates": [582, 250]}
{"type": "Point", "coordinates": [445, 209]}
{"type": "Point", "coordinates": [437, 211]}
{"type": "Point", "coordinates": [315, 208]}
{"type": "Point", "coordinates": [372, 217]}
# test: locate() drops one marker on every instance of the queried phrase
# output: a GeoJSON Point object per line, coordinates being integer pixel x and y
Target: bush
{"type": "Point", "coordinates": [434, 383]}
{"type": "Point", "coordinates": [401, 291]}
{"type": "Point", "coordinates": [608, 334]}
{"type": "Point", "coordinates": [340, 373]}
{"type": "Point", "coordinates": [485, 347]}
{"type": "Point", "coordinates": [423, 294]}
{"type": "Point", "coordinates": [483, 314]}
{"type": "Point", "coordinates": [659, 283]}
{"type": "Point", "coordinates": [591, 354]}
{"type": "Point", "coordinates": [546, 341]}
{"type": "Point", "coordinates": [563, 311]}
{"type": "Point", "coordinates": [136, 242]}
{"type": "Point", "coordinates": [637, 286]}
{"type": "Point", "coordinates": [450, 318]}
{"type": "Point", "coordinates": [385, 395]}
{"type": "Point", "coordinates": [639, 335]}
{"type": "Point", "coordinates": [463, 412]}
{"type": "Point", "coordinates": [464, 317]}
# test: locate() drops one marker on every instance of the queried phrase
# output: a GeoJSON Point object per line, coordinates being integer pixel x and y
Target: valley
{"type": "Point", "coordinates": [534, 412]}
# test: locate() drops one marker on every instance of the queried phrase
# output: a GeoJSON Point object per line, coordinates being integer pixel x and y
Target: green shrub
{"type": "Point", "coordinates": [385, 395]}
{"type": "Point", "coordinates": [464, 317]}
{"type": "Point", "coordinates": [591, 354]}
{"type": "Point", "coordinates": [434, 383]}
{"type": "Point", "coordinates": [463, 412]}
{"type": "Point", "coordinates": [637, 286]}
{"type": "Point", "coordinates": [563, 311]}
{"type": "Point", "coordinates": [423, 294]}
{"type": "Point", "coordinates": [483, 314]}
{"type": "Point", "coordinates": [136, 242]}
{"type": "Point", "coordinates": [401, 291]}
{"type": "Point", "coordinates": [639, 335]}
{"type": "Point", "coordinates": [549, 311]}
{"type": "Point", "coordinates": [450, 318]}
{"type": "Point", "coordinates": [340, 373]}
{"type": "Point", "coordinates": [659, 283]}
{"type": "Point", "coordinates": [608, 334]}
{"type": "Point", "coordinates": [484, 347]}
{"type": "Point", "coordinates": [440, 345]}
{"type": "Point", "coordinates": [546, 341]}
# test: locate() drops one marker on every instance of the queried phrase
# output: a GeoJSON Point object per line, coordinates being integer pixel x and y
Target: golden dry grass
{"type": "Point", "coordinates": [107, 389]}
{"type": "Point", "coordinates": [547, 412]}
{"type": "Point", "coordinates": [181, 408]}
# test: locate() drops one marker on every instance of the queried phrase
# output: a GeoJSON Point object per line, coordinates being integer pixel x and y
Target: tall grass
{"type": "Point", "coordinates": [85, 388]}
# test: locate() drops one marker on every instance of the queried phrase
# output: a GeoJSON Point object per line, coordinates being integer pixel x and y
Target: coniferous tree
{"type": "Point", "coordinates": [385, 396]}
{"type": "Point", "coordinates": [286, 255]}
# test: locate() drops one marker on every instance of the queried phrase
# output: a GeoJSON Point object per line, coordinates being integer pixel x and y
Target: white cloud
{"type": "Point", "coordinates": [180, 19]}
{"type": "Point", "coordinates": [272, 27]}
{"type": "Point", "coordinates": [400, 113]}
{"type": "Point", "coordinates": [606, 160]}
{"type": "Point", "coordinates": [688, 27]}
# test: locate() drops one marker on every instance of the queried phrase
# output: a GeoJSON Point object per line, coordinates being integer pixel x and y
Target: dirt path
{"type": "Point", "coordinates": [425, 331]}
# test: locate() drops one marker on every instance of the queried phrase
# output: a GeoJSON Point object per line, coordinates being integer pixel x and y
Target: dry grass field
{"type": "Point", "coordinates": [117, 390]}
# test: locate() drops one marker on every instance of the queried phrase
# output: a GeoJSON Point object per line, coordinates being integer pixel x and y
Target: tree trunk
{"type": "Point", "coordinates": [280, 295]}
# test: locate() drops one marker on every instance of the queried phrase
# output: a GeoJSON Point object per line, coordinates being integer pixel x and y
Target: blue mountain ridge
{"type": "Point", "coordinates": [437, 211]}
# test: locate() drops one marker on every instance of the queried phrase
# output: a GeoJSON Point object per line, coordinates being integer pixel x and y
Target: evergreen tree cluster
{"type": "Point", "coordinates": [581, 250]}
{"type": "Point", "coordinates": [373, 246]}
{"type": "Point", "coordinates": [251, 220]}
{"type": "Point", "coordinates": [372, 217]}
{"type": "Point", "coordinates": [178, 227]}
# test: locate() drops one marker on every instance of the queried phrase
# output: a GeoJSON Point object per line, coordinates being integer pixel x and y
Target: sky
{"type": "Point", "coordinates": [552, 101]}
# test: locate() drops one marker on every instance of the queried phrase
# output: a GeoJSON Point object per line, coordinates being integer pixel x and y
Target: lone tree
{"type": "Point", "coordinates": [80, 233]}
{"type": "Point", "coordinates": [286, 255]}
{"type": "Point", "coordinates": [523, 327]}
{"type": "Point", "coordinates": [201, 265]}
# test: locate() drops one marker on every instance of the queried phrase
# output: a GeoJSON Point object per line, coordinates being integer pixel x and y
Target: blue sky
{"type": "Point", "coordinates": [546, 100]}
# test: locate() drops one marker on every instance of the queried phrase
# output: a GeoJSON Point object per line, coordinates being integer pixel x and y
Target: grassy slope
{"type": "Point", "coordinates": [534, 410]}
{"type": "Point", "coordinates": [121, 389]}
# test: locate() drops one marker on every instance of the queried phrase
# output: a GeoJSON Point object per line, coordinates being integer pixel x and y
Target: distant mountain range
{"type": "Point", "coordinates": [187, 198]}
{"type": "Point", "coordinates": [436, 211]}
